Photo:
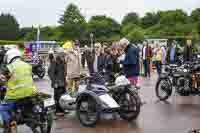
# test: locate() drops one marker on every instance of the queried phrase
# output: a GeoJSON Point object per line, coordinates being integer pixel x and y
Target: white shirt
{"type": "Point", "coordinates": [121, 57]}
{"type": "Point", "coordinates": [95, 65]}
{"type": "Point", "coordinates": [144, 53]}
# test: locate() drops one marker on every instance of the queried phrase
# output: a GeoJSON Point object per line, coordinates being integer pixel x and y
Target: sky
{"type": "Point", "coordinates": [48, 12]}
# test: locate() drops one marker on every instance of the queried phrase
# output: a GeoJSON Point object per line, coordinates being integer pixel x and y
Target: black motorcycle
{"type": "Point", "coordinates": [35, 112]}
{"type": "Point", "coordinates": [38, 69]}
{"type": "Point", "coordinates": [94, 99]}
{"type": "Point", "coordinates": [185, 79]}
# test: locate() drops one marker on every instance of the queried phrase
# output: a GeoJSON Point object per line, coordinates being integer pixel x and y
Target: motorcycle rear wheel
{"type": "Point", "coordinates": [129, 105]}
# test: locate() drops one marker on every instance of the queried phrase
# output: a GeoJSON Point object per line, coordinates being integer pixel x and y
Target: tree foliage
{"type": "Point", "coordinates": [172, 17]}
{"type": "Point", "coordinates": [132, 18]}
{"type": "Point", "coordinates": [9, 27]}
{"type": "Point", "coordinates": [196, 15]}
{"type": "Point", "coordinates": [133, 32]}
{"type": "Point", "coordinates": [150, 19]}
{"type": "Point", "coordinates": [73, 24]}
{"type": "Point", "coordinates": [103, 27]}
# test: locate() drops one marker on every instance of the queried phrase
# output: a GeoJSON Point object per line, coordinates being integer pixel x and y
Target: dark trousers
{"type": "Point", "coordinates": [147, 70]}
{"type": "Point", "coordinates": [158, 67]}
{"type": "Point", "coordinates": [83, 62]}
{"type": "Point", "coordinates": [90, 68]}
{"type": "Point", "coordinates": [172, 62]}
{"type": "Point", "coordinates": [58, 92]}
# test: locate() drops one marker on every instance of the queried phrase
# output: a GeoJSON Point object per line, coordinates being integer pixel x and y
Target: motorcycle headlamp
{"type": "Point", "coordinates": [37, 109]}
{"type": "Point", "coordinates": [167, 69]}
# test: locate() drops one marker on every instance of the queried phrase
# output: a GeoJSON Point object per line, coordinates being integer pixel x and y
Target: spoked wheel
{"type": "Point", "coordinates": [88, 111]}
{"type": "Point", "coordinates": [47, 124]}
{"type": "Point", "coordinates": [129, 106]}
{"type": "Point", "coordinates": [44, 124]}
{"type": "Point", "coordinates": [41, 75]}
{"type": "Point", "coordinates": [163, 89]}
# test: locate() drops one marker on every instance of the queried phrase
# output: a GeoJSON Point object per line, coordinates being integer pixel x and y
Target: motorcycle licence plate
{"type": "Point", "coordinates": [49, 102]}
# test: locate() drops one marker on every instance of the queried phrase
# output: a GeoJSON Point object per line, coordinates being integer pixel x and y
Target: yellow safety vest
{"type": "Point", "coordinates": [21, 83]}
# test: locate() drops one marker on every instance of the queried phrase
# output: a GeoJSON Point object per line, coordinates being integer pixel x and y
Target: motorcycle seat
{"type": "Point", "coordinates": [37, 96]}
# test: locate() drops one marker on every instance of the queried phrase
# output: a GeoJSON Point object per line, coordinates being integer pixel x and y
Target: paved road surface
{"type": "Point", "coordinates": [179, 115]}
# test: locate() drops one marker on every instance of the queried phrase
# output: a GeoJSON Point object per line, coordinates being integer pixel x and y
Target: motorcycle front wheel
{"type": "Point", "coordinates": [129, 105]}
{"type": "Point", "coordinates": [41, 75]}
{"type": "Point", "coordinates": [47, 124]}
{"type": "Point", "coordinates": [88, 111]}
{"type": "Point", "coordinates": [163, 89]}
{"type": "Point", "coordinates": [44, 124]}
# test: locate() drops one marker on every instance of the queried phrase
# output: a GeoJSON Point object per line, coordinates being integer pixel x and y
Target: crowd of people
{"type": "Point", "coordinates": [65, 68]}
{"type": "Point", "coordinates": [150, 56]}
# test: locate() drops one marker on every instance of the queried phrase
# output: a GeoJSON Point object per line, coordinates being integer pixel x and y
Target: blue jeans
{"type": "Point", "coordinates": [158, 67]}
{"type": "Point", "coordinates": [6, 108]}
{"type": "Point", "coordinates": [146, 67]}
{"type": "Point", "coordinates": [172, 62]}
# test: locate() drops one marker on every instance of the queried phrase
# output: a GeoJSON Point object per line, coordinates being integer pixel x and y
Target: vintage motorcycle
{"type": "Point", "coordinates": [94, 98]}
{"type": "Point", "coordinates": [185, 79]}
{"type": "Point", "coordinates": [35, 112]}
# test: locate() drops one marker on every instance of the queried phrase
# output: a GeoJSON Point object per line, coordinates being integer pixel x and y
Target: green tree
{"type": "Point", "coordinates": [133, 32]}
{"type": "Point", "coordinates": [171, 17]}
{"type": "Point", "coordinates": [50, 33]}
{"type": "Point", "coordinates": [171, 23]}
{"type": "Point", "coordinates": [150, 19]}
{"type": "Point", "coordinates": [198, 27]}
{"type": "Point", "coordinates": [103, 27]}
{"type": "Point", "coordinates": [31, 35]}
{"type": "Point", "coordinates": [136, 35]}
{"type": "Point", "coordinates": [127, 28]}
{"type": "Point", "coordinates": [24, 31]}
{"type": "Point", "coordinates": [73, 23]}
{"type": "Point", "coordinates": [196, 15]}
{"type": "Point", "coordinates": [131, 18]}
{"type": "Point", "coordinates": [9, 27]}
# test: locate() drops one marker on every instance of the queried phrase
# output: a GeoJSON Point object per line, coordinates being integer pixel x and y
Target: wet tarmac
{"type": "Point", "coordinates": [177, 115]}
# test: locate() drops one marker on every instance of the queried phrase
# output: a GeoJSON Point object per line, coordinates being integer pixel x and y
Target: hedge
{"type": "Point", "coordinates": [5, 42]}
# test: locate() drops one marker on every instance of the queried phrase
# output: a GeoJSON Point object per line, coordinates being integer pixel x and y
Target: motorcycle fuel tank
{"type": "Point", "coordinates": [109, 101]}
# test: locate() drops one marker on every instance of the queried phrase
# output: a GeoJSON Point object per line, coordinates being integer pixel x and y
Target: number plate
{"type": "Point", "coordinates": [49, 102]}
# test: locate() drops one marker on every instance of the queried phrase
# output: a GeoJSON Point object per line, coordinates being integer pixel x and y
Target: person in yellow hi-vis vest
{"type": "Point", "coordinates": [18, 76]}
